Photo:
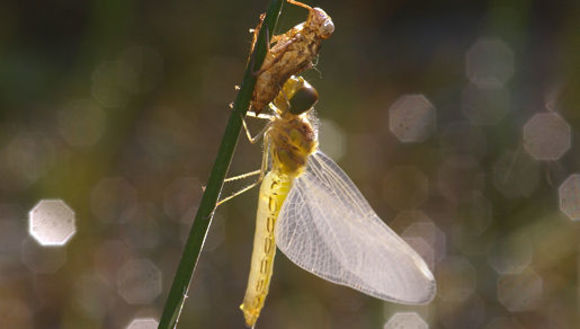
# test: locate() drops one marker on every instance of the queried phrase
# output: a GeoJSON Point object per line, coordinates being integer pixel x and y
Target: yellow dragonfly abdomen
{"type": "Point", "coordinates": [273, 192]}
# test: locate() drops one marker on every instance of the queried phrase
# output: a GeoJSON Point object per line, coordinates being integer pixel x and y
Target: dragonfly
{"type": "Point", "coordinates": [289, 54]}
{"type": "Point", "coordinates": [317, 217]}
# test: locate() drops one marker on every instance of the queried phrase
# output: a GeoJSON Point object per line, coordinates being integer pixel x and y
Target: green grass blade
{"type": "Point", "coordinates": [199, 229]}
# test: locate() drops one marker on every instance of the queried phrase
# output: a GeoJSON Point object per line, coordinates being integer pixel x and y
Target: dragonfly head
{"type": "Point", "coordinates": [296, 97]}
{"type": "Point", "coordinates": [321, 23]}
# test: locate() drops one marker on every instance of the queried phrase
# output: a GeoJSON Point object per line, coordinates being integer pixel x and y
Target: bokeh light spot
{"type": "Point", "coordinates": [52, 223]}
{"type": "Point", "coordinates": [412, 118]}
{"type": "Point", "coordinates": [547, 136]}
{"type": "Point", "coordinates": [489, 63]}
{"type": "Point", "coordinates": [406, 320]}
{"type": "Point", "coordinates": [143, 323]}
{"type": "Point", "coordinates": [139, 281]}
{"type": "Point", "coordinates": [569, 193]}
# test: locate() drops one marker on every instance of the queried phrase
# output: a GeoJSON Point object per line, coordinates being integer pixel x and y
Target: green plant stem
{"type": "Point", "coordinates": [199, 229]}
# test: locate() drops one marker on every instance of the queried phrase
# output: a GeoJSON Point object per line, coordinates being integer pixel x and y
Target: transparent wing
{"type": "Point", "coordinates": [328, 228]}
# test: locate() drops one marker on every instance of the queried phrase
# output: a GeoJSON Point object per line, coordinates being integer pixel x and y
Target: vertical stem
{"type": "Point", "coordinates": [199, 229]}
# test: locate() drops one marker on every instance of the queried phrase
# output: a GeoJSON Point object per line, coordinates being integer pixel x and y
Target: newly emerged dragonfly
{"type": "Point", "coordinates": [313, 212]}
{"type": "Point", "coordinates": [289, 54]}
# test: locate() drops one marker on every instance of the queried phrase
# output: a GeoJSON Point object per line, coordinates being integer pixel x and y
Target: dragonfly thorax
{"type": "Point", "coordinates": [293, 140]}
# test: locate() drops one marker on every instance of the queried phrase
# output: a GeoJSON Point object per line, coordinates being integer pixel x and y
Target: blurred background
{"type": "Point", "coordinates": [458, 120]}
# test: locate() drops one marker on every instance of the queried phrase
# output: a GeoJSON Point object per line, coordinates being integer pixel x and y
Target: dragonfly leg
{"type": "Point", "coordinates": [251, 114]}
{"type": "Point", "coordinates": [233, 195]}
{"type": "Point", "coordinates": [254, 139]}
{"type": "Point", "coordinates": [255, 31]}
{"type": "Point", "coordinates": [262, 116]}
{"type": "Point", "coordinates": [299, 4]}
{"type": "Point", "coordinates": [261, 172]}
{"type": "Point", "coordinates": [242, 176]}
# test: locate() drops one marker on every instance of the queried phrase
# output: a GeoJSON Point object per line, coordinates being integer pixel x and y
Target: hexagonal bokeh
{"type": "Point", "coordinates": [520, 292]}
{"type": "Point", "coordinates": [139, 281]}
{"type": "Point", "coordinates": [489, 63]}
{"type": "Point", "coordinates": [143, 323]}
{"type": "Point", "coordinates": [406, 320]}
{"type": "Point", "coordinates": [51, 223]}
{"type": "Point", "coordinates": [569, 195]}
{"type": "Point", "coordinates": [547, 136]}
{"type": "Point", "coordinates": [412, 118]}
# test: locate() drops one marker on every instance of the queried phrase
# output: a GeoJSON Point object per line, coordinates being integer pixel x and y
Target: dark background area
{"type": "Point", "coordinates": [458, 120]}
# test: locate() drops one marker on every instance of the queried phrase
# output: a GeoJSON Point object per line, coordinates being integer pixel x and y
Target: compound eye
{"type": "Point", "coordinates": [304, 99]}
